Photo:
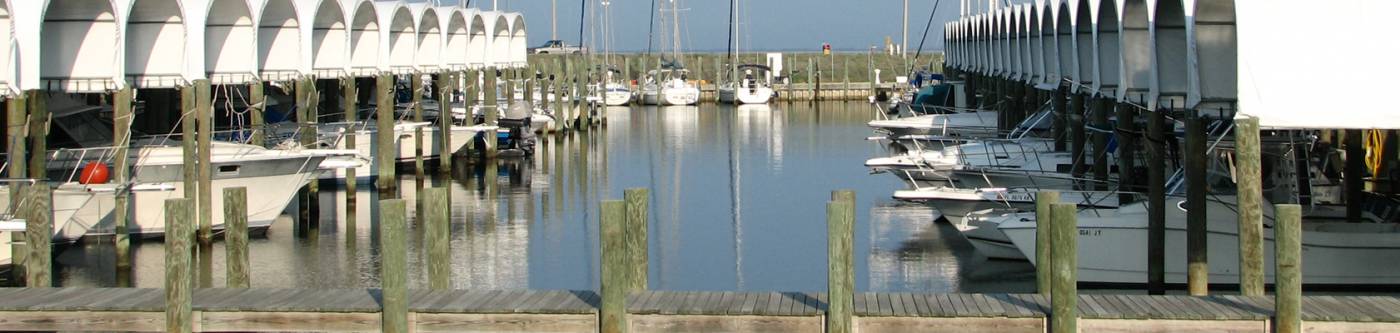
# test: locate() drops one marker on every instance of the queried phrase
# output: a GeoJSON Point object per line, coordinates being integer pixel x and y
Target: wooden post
{"type": "Point", "coordinates": [415, 82]}
{"type": "Point", "coordinates": [1127, 151]}
{"type": "Point", "coordinates": [1044, 259]}
{"type": "Point", "coordinates": [1156, 204]}
{"type": "Point", "coordinates": [446, 84]}
{"type": "Point", "coordinates": [17, 132]}
{"type": "Point", "coordinates": [492, 99]}
{"type": "Point", "coordinates": [613, 313]}
{"type": "Point", "coordinates": [638, 206]}
{"type": "Point", "coordinates": [584, 119]}
{"type": "Point", "coordinates": [1198, 269]}
{"type": "Point", "coordinates": [204, 120]}
{"type": "Point", "coordinates": [1353, 174]}
{"type": "Point", "coordinates": [556, 85]}
{"type": "Point", "coordinates": [1100, 151]}
{"type": "Point", "coordinates": [1057, 125]}
{"type": "Point", "coordinates": [257, 102]}
{"type": "Point", "coordinates": [349, 108]}
{"type": "Point", "coordinates": [387, 147]}
{"type": "Point", "coordinates": [38, 217]}
{"type": "Point", "coordinates": [840, 288]}
{"type": "Point", "coordinates": [1077, 142]}
{"type": "Point", "coordinates": [1251, 200]}
{"type": "Point", "coordinates": [1288, 275]}
{"type": "Point", "coordinates": [812, 78]}
{"type": "Point", "coordinates": [1064, 294]}
{"type": "Point", "coordinates": [39, 134]}
{"type": "Point", "coordinates": [438, 234]}
{"type": "Point", "coordinates": [121, 174]}
{"type": "Point", "coordinates": [393, 265]}
{"type": "Point", "coordinates": [188, 141]}
{"type": "Point", "coordinates": [179, 223]}
{"type": "Point", "coordinates": [236, 236]}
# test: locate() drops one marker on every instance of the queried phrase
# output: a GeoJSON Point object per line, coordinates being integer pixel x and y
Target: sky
{"type": "Point", "coordinates": [767, 25]}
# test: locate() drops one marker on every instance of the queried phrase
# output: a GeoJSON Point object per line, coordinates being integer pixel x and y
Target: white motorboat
{"type": "Point", "coordinates": [957, 203]}
{"type": "Point", "coordinates": [751, 90]}
{"type": "Point", "coordinates": [1112, 244]}
{"type": "Point", "coordinates": [271, 177]}
{"type": "Point", "coordinates": [334, 136]}
{"type": "Point", "coordinates": [616, 94]}
{"type": "Point", "coordinates": [975, 124]}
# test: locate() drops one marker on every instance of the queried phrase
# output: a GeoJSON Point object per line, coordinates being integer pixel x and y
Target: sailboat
{"type": "Point", "coordinates": [612, 91]}
{"type": "Point", "coordinates": [667, 85]}
{"type": "Point", "coordinates": [755, 86]}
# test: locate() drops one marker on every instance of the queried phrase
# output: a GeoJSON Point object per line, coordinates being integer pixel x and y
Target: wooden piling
{"type": "Point", "coordinates": [1198, 269]}
{"type": "Point", "coordinates": [840, 288]}
{"type": "Point", "coordinates": [613, 313]}
{"type": "Point", "coordinates": [386, 152]}
{"type": "Point", "coordinates": [1127, 151]}
{"type": "Point", "coordinates": [39, 134]}
{"type": "Point", "coordinates": [121, 174]}
{"type": "Point", "coordinates": [236, 237]}
{"type": "Point", "coordinates": [349, 109]}
{"type": "Point", "coordinates": [844, 196]}
{"type": "Point", "coordinates": [393, 274]}
{"type": "Point", "coordinates": [204, 135]}
{"type": "Point", "coordinates": [188, 141]}
{"type": "Point", "coordinates": [438, 234]}
{"type": "Point", "coordinates": [556, 87]}
{"type": "Point", "coordinates": [1249, 186]}
{"type": "Point", "coordinates": [1288, 273]}
{"type": "Point", "coordinates": [1044, 259]}
{"type": "Point", "coordinates": [416, 102]}
{"type": "Point", "coordinates": [638, 206]}
{"type": "Point", "coordinates": [179, 229]}
{"type": "Point", "coordinates": [38, 217]}
{"type": "Point", "coordinates": [491, 111]}
{"type": "Point", "coordinates": [257, 102]}
{"type": "Point", "coordinates": [1064, 294]}
{"type": "Point", "coordinates": [1156, 204]}
{"type": "Point", "coordinates": [446, 84]}
{"type": "Point", "coordinates": [1353, 174]}
{"type": "Point", "coordinates": [1077, 139]}
{"type": "Point", "coordinates": [1100, 139]}
{"type": "Point", "coordinates": [1058, 124]}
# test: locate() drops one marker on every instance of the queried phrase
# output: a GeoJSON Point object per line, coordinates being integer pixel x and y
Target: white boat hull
{"type": "Point", "coordinates": [759, 95]}
{"type": "Point", "coordinates": [1112, 247]}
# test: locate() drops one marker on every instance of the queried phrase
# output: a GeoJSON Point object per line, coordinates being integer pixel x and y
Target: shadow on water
{"type": "Point", "coordinates": [737, 203]}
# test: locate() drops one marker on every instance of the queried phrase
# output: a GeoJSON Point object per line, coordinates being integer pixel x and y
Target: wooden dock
{"type": "Point", "coordinates": [344, 310]}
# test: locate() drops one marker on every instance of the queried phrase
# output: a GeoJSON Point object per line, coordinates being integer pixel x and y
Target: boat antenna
{"type": "Point", "coordinates": [925, 37]}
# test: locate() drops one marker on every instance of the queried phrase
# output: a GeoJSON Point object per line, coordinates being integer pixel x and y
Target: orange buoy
{"type": "Point", "coordinates": [94, 173]}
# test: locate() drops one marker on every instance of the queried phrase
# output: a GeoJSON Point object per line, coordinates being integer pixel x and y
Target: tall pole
{"type": "Point", "coordinates": [904, 46]}
{"type": "Point", "coordinates": [554, 19]}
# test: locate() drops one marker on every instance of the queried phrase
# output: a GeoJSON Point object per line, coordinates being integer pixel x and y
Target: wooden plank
{"type": "Point", "coordinates": [910, 309]}
{"type": "Point", "coordinates": [668, 302]}
{"type": "Point", "coordinates": [1089, 307]}
{"type": "Point", "coordinates": [1379, 304]}
{"type": "Point", "coordinates": [750, 302]}
{"type": "Point", "coordinates": [1178, 304]}
{"type": "Point", "coordinates": [882, 302]}
{"type": "Point", "coordinates": [859, 307]}
{"type": "Point", "coordinates": [799, 304]}
{"type": "Point", "coordinates": [716, 305]}
{"type": "Point", "coordinates": [652, 303]}
{"type": "Point", "coordinates": [1017, 306]}
{"type": "Point", "coordinates": [945, 305]}
{"type": "Point", "coordinates": [726, 301]}
{"type": "Point", "coordinates": [775, 302]}
{"type": "Point", "coordinates": [815, 304]}
{"type": "Point", "coordinates": [1346, 312]}
{"type": "Point", "coordinates": [1125, 308]}
{"type": "Point", "coordinates": [994, 309]}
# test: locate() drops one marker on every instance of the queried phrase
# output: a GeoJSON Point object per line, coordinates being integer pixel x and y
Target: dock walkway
{"type": "Point", "coordinates": [132, 309]}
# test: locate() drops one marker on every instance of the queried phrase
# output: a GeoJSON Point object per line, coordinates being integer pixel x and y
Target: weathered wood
{"type": "Point", "coordinates": [349, 108]}
{"type": "Point", "coordinates": [204, 136]}
{"type": "Point", "coordinates": [1288, 276]}
{"type": "Point", "coordinates": [1197, 267]}
{"type": "Point", "coordinates": [438, 233]}
{"type": "Point", "coordinates": [1044, 259]}
{"type": "Point", "coordinates": [1249, 186]}
{"type": "Point", "coordinates": [1064, 290]}
{"type": "Point", "coordinates": [236, 237]}
{"type": "Point", "coordinates": [393, 274]}
{"type": "Point", "coordinates": [386, 152]}
{"type": "Point", "coordinates": [444, 86]}
{"type": "Point", "coordinates": [1077, 139]}
{"type": "Point", "coordinates": [17, 134]}
{"type": "Point", "coordinates": [39, 119]}
{"type": "Point", "coordinates": [188, 141]}
{"type": "Point", "coordinates": [840, 220]}
{"type": "Point", "coordinates": [1156, 204]}
{"type": "Point", "coordinates": [638, 207]}
{"type": "Point", "coordinates": [1127, 151]}
{"type": "Point", "coordinates": [1353, 174]}
{"type": "Point", "coordinates": [613, 313]}
{"type": "Point", "coordinates": [121, 173]}
{"type": "Point", "coordinates": [38, 217]}
{"type": "Point", "coordinates": [490, 109]}
{"type": "Point", "coordinates": [179, 232]}
{"type": "Point", "coordinates": [415, 83]}
{"type": "Point", "coordinates": [257, 102]}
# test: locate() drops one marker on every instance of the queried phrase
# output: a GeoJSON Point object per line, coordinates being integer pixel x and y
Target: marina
{"type": "Point", "coordinates": [400, 165]}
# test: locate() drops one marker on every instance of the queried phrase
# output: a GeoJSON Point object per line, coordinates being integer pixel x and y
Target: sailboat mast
{"type": "Point", "coordinates": [676, 34]}
{"type": "Point", "coordinates": [730, 45]}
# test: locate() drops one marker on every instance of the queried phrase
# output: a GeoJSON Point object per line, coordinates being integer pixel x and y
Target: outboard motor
{"type": "Point", "coordinates": [519, 138]}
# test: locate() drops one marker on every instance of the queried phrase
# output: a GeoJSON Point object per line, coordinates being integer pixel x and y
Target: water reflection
{"type": "Point", "coordinates": [737, 203]}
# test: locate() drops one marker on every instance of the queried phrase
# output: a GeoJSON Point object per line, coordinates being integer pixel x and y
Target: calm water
{"type": "Point", "coordinates": [737, 203]}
